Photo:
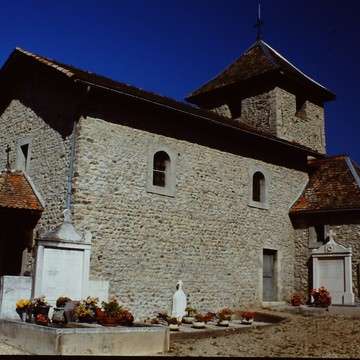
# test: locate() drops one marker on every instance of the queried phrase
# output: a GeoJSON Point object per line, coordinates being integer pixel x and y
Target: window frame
{"type": "Point", "coordinates": [170, 171]}
{"type": "Point", "coordinates": [313, 238]}
{"type": "Point", "coordinates": [264, 188]}
{"type": "Point", "coordinates": [22, 161]}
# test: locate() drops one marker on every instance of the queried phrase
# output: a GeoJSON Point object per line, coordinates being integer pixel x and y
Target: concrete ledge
{"type": "Point", "coordinates": [91, 340]}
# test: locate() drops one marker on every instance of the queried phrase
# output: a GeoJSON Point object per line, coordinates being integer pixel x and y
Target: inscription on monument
{"type": "Point", "coordinates": [331, 273]}
{"type": "Point", "coordinates": [62, 273]}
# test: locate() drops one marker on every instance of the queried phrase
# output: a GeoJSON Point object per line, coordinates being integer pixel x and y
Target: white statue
{"type": "Point", "coordinates": [179, 302]}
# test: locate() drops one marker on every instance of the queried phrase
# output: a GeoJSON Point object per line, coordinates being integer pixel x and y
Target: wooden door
{"type": "Point", "coordinates": [269, 293]}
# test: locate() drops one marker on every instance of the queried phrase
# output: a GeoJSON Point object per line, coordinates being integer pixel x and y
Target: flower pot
{"type": "Point", "coordinates": [188, 319]}
{"type": "Point", "coordinates": [295, 303]}
{"type": "Point", "coordinates": [198, 324]}
{"type": "Point", "coordinates": [110, 321]}
{"type": "Point", "coordinates": [99, 312]}
{"type": "Point", "coordinates": [22, 313]}
{"type": "Point", "coordinates": [223, 323]}
{"type": "Point", "coordinates": [174, 327]}
{"type": "Point", "coordinates": [41, 310]}
{"type": "Point", "coordinates": [59, 315]}
{"type": "Point", "coordinates": [247, 321]}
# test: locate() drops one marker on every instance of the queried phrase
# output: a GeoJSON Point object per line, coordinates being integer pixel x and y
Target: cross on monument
{"type": "Point", "coordinates": [331, 235]}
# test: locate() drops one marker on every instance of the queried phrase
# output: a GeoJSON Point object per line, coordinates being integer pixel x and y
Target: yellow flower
{"type": "Point", "coordinates": [23, 303]}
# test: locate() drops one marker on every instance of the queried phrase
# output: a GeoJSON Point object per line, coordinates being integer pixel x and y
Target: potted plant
{"type": "Point", "coordinates": [62, 301]}
{"type": "Point", "coordinates": [190, 315]}
{"type": "Point", "coordinates": [224, 317]}
{"type": "Point", "coordinates": [84, 314]}
{"type": "Point", "coordinates": [59, 311]}
{"type": "Point", "coordinates": [40, 306]}
{"type": "Point", "coordinates": [173, 323]}
{"type": "Point", "coordinates": [91, 302]}
{"type": "Point", "coordinates": [321, 297]}
{"type": "Point", "coordinates": [126, 318]}
{"type": "Point", "coordinates": [296, 299]}
{"type": "Point", "coordinates": [22, 308]}
{"type": "Point", "coordinates": [42, 320]}
{"type": "Point", "coordinates": [201, 320]}
{"type": "Point", "coordinates": [247, 317]}
{"type": "Point", "coordinates": [112, 311]}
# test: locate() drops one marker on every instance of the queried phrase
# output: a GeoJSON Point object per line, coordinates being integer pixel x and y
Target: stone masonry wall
{"type": "Point", "coordinates": [305, 127]}
{"type": "Point", "coordinates": [49, 161]}
{"type": "Point", "coordinates": [206, 235]}
{"type": "Point", "coordinates": [345, 235]}
{"type": "Point", "coordinates": [275, 112]}
{"type": "Point", "coordinates": [259, 111]}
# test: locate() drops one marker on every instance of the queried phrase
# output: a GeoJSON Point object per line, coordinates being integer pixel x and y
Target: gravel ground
{"type": "Point", "coordinates": [330, 336]}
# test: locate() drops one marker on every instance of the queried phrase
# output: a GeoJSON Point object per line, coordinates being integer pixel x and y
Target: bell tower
{"type": "Point", "coordinates": [264, 90]}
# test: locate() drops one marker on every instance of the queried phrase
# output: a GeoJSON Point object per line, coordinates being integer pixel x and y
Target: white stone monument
{"type": "Point", "coordinates": [62, 262]}
{"type": "Point", "coordinates": [332, 269]}
{"type": "Point", "coordinates": [179, 302]}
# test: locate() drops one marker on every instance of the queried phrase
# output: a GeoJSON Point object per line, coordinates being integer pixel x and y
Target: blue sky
{"type": "Point", "coordinates": [172, 47]}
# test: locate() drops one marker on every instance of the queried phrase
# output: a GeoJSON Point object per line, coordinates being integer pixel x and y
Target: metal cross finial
{"type": "Point", "coordinates": [258, 25]}
{"type": "Point", "coordinates": [8, 149]}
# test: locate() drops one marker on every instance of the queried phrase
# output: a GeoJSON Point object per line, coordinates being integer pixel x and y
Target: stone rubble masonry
{"type": "Point", "coordinates": [143, 243]}
{"type": "Point", "coordinates": [275, 112]}
{"type": "Point", "coordinates": [49, 162]}
{"type": "Point", "coordinates": [206, 235]}
{"type": "Point", "coordinates": [345, 235]}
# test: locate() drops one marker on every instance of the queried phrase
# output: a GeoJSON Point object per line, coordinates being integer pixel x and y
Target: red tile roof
{"type": "Point", "coordinates": [334, 184]}
{"type": "Point", "coordinates": [258, 60]}
{"type": "Point", "coordinates": [17, 193]}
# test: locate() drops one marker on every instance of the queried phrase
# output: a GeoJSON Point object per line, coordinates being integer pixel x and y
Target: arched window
{"type": "Point", "coordinates": [258, 184]}
{"type": "Point", "coordinates": [161, 177]}
{"type": "Point", "coordinates": [258, 187]}
{"type": "Point", "coordinates": [161, 166]}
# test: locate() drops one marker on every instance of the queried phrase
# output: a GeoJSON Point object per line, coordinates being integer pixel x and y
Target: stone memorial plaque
{"type": "Point", "coordinates": [62, 273]}
{"type": "Point", "coordinates": [331, 273]}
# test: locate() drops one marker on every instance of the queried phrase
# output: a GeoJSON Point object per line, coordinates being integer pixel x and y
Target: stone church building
{"type": "Point", "coordinates": [229, 191]}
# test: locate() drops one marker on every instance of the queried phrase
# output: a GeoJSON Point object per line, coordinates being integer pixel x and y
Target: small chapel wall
{"type": "Point", "coordinates": [141, 239]}
{"type": "Point", "coordinates": [145, 242]}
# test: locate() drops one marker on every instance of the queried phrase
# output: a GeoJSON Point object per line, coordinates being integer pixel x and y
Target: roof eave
{"type": "Point", "coordinates": [305, 219]}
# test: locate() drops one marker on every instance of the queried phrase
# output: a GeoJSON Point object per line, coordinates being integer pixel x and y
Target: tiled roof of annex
{"type": "Point", "coordinates": [103, 82]}
{"type": "Point", "coordinates": [334, 184]}
{"type": "Point", "coordinates": [258, 60]}
{"type": "Point", "coordinates": [17, 193]}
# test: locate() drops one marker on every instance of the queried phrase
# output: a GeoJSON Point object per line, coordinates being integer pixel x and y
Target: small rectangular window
{"type": "Point", "coordinates": [235, 108]}
{"type": "Point", "coordinates": [300, 102]}
{"type": "Point", "coordinates": [23, 155]}
{"type": "Point", "coordinates": [318, 235]}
